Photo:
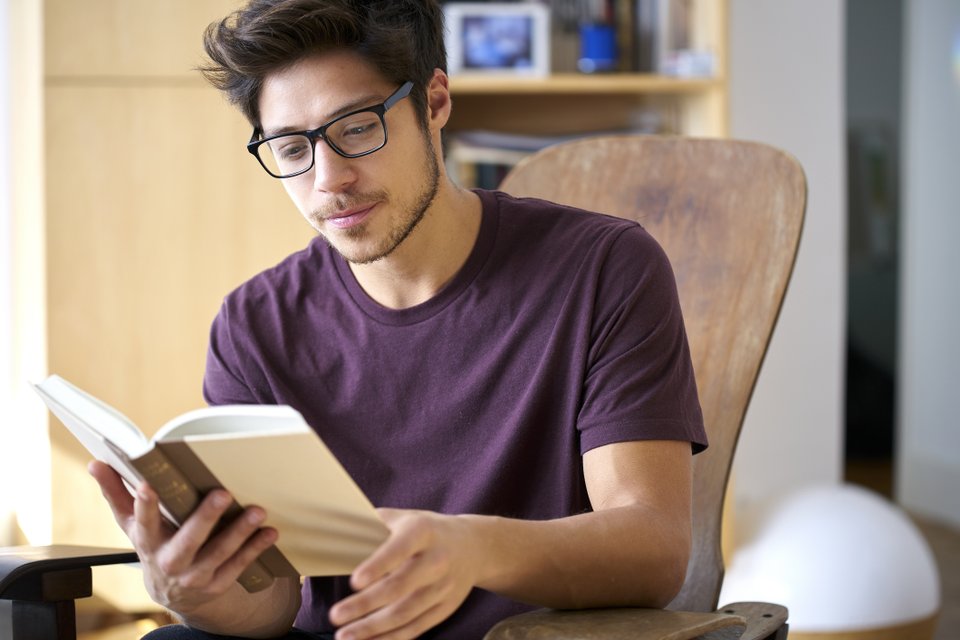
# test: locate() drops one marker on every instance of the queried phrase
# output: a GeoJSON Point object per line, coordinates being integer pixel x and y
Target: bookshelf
{"type": "Point", "coordinates": [567, 103]}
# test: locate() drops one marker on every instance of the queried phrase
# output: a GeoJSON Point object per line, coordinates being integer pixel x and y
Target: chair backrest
{"type": "Point", "coordinates": [729, 215]}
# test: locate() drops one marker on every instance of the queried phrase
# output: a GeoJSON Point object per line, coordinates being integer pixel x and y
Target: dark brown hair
{"type": "Point", "coordinates": [402, 39]}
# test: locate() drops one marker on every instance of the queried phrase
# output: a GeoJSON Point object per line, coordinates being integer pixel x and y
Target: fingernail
{"type": "Point", "coordinates": [255, 516]}
{"type": "Point", "coordinates": [270, 535]}
{"type": "Point", "coordinates": [220, 499]}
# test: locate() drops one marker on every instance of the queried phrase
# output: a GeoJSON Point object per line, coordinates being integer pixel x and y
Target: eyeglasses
{"type": "Point", "coordinates": [355, 134]}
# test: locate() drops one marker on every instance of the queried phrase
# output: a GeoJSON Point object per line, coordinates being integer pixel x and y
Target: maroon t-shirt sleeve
{"type": "Point", "coordinates": [639, 383]}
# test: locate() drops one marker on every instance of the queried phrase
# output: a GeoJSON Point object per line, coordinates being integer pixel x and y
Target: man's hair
{"type": "Point", "coordinates": [402, 39]}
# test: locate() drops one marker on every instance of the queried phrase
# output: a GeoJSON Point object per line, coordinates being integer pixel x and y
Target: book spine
{"type": "Point", "coordinates": [179, 496]}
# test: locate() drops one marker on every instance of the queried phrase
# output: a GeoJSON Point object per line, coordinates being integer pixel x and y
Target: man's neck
{"type": "Point", "coordinates": [429, 257]}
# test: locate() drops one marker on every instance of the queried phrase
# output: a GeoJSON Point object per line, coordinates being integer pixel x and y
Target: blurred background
{"type": "Point", "coordinates": [128, 208]}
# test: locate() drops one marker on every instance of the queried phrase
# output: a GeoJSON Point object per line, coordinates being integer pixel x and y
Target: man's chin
{"type": "Point", "coordinates": [358, 254]}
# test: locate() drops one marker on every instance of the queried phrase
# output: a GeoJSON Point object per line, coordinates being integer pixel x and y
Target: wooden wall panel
{"type": "Point", "coordinates": [129, 38]}
{"type": "Point", "coordinates": [154, 211]}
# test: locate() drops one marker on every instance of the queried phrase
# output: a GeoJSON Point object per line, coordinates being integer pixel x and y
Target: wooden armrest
{"type": "Point", "coordinates": [53, 573]}
{"type": "Point", "coordinates": [764, 619]}
{"type": "Point", "coordinates": [612, 624]}
{"type": "Point", "coordinates": [742, 620]}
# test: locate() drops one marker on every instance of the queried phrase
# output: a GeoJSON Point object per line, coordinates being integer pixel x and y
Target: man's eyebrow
{"type": "Point", "coordinates": [353, 105]}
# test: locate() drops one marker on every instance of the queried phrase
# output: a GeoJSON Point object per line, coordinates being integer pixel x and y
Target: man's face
{"type": "Point", "coordinates": [365, 207]}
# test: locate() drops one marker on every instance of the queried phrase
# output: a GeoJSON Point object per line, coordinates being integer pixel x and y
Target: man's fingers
{"type": "Point", "coordinates": [180, 549]}
{"type": "Point", "coordinates": [406, 618]}
{"type": "Point", "coordinates": [408, 537]}
{"type": "Point", "coordinates": [115, 492]}
{"type": "Point", "coordinates": [228, 572]}
{"type": "Point", "coordinates": [229, 543]}
{"type": "Point", "coordinates": [150, 530]}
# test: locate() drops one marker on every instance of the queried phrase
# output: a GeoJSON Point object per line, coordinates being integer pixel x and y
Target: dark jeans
{"type": "Point", "coordinates": [181, 632]}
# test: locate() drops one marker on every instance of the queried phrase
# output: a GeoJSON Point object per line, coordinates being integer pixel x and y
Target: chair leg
{"type": "Point", "coordinates": [44, 620]}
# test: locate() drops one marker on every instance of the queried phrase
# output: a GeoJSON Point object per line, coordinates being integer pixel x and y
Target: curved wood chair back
{"type": "Point", "coordinates": [729, 215]}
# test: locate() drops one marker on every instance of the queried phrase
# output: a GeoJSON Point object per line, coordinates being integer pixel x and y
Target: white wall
{"type": "Point", "coordinates": [6, 276]}
{"type": "Point", "coordinates": [928, 465]}
{"type": "Point", "coordinates": [22, 292]}
{"type": "Point", "coordinates": [786, 89]}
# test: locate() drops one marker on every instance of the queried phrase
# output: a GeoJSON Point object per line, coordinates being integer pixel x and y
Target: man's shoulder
{"type": "Point", "coordinates": [537, 211]}
{"type": "Point", "coordinates": [547, 222]}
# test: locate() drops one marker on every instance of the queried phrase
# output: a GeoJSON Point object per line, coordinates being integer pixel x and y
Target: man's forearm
{"type": "Point", "coordinates": [263, 614]}
{"type": "Point", "coordinates": [626, 556]}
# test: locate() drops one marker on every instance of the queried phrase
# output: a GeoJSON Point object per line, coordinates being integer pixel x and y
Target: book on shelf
{"type": "Point", "coordinates": [657, 36]}
{"type": "Point", "coordinates": [482, 158]}
{"type": "Point", "coordinates": [264, 455]}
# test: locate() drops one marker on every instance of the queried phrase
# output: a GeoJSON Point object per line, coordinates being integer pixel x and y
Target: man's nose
{"type": "Point", "coordinates": [331, 171]}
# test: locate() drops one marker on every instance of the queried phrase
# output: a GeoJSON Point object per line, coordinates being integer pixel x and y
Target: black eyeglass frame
{"type": "Point", "coordinates": [253, 146]}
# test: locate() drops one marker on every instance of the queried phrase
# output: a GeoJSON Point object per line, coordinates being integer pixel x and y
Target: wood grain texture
{"type": "Point", "coordinates": [612, 624]}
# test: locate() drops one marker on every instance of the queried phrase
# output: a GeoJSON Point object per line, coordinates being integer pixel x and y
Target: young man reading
{"type": "Point", "coordinates": [507, 379]}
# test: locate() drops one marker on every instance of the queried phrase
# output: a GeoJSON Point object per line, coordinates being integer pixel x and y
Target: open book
{"type": "Point", "coordinates": [263, 455]}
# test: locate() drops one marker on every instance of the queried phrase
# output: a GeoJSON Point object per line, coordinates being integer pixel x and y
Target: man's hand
{"type": "Point", "coordinates": [190, 570]}
{"type": "Point", "coordinates": [415, 580]}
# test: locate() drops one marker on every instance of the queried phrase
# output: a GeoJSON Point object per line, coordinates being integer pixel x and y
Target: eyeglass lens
{"type": "Point", "coordinates": [353, 134]}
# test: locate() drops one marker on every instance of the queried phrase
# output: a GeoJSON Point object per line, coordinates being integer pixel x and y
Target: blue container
{"type": "Point", "coordinates": [598, 48]}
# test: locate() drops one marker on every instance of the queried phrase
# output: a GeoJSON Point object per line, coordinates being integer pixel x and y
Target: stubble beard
{"type": "Point", "coordinates": [412, 217]}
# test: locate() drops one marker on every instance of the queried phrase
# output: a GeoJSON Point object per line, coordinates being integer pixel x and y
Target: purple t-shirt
{"type": "Point", "coordinates": [561, 333]}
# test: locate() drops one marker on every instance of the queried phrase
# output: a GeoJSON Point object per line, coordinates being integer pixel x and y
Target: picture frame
{"type": "Point", "coordinates": [497, 38]}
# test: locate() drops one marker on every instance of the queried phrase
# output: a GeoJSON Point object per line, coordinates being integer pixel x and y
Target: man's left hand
{"type": "Point", "coordinates": [414, 581]}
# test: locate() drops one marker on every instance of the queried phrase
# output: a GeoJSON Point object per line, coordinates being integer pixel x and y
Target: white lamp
{"type": "Point", "coordinates": [843, 560]}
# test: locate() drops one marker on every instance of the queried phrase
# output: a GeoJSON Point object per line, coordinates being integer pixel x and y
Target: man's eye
{"type": "Point", "coordinates": [360, 129]}
{"type": "Point", "coordinates": [292, 151]}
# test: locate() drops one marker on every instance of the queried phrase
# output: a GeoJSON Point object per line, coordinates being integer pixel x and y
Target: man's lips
{"type": "Point", "coordinates": [349, 217]}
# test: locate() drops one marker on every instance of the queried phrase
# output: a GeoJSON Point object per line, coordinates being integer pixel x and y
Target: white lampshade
{"type": "Point", "coordinates": [840, 558]}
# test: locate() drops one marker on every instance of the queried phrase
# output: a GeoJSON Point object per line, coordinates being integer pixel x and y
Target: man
{"type": "Point", "coordinates": [508, 380]}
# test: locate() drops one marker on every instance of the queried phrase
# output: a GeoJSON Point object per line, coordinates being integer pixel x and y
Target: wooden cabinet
{"type": "Point", "coordinates": [153, 212]}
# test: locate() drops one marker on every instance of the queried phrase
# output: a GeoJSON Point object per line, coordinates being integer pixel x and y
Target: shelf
{"type": "Point", "coordinates": [562, 83]}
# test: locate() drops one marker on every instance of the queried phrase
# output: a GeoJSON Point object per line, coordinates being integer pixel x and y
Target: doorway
{"type": "Point", "coordinates": [873, 113]}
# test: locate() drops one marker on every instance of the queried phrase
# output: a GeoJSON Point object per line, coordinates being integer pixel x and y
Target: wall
{"type": "Point", "coordinates": [6, 277]}
{"type": "Point", "coordinates": [23, 271]}
{"type": "Point", "coordinates": [786, 89]}
{"type": "Point", "coordinates": [928, 469]}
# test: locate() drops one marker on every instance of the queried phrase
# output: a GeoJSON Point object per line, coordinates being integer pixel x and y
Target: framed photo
{"type": "Point", "coordinates": [497, 38]}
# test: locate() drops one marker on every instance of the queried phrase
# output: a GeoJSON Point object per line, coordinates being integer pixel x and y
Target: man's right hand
{"type": "Point", "coordinates": [189, 570]}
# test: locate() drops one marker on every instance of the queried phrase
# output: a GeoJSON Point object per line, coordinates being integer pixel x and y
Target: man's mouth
{"type": "Point", "coordinates": [349, 217]}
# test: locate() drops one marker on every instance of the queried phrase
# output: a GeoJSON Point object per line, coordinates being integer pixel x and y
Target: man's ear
{"type": "Point", "coordinates": [438, 100]}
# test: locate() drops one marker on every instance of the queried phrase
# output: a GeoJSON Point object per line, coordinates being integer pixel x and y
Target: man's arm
{"type": "Point", "coordinates": [194, 573]}
{"type": "Point", "coordinates": [632, 550]}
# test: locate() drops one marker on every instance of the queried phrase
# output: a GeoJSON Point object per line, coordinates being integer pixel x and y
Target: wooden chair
{"type": "Point", "coordinates": [729, 216]}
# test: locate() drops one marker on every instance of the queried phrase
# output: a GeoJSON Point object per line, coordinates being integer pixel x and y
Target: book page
{"type": "Point", "coordinates": [327, 525]}
{"type": "Point", "coordinates": [89, 419]}
{"type": "Point", "coordinates": [236, 418]}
